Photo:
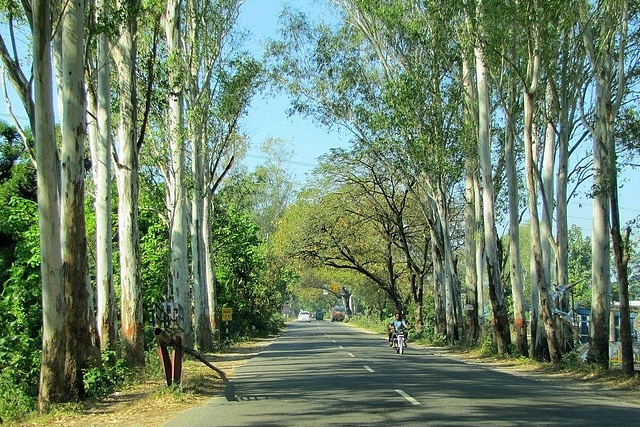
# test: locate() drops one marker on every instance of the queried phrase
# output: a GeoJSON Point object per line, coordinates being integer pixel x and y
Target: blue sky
{"type": "Point", "coordinates": [267, 117]}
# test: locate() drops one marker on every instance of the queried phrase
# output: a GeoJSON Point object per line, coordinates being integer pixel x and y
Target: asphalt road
{"type": "Point", "coordinates": [329, 374]}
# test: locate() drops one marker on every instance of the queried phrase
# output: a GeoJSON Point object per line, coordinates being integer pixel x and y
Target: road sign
{"type": "Point", "coordinates": [227, 314]}
{"type": "Point", "coordinates": [334, 287]}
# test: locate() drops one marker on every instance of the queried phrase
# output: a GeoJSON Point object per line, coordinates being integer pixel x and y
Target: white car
{"type": "Point", "coordinates": [304, 316]}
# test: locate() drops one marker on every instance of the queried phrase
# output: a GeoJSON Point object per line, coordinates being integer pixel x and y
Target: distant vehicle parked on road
{"type": "Point", "coordinates": [304, 316]}
{"type": "Point", "coordinates": [337, 314]}
{"type": "Point", "coordinates": [319, 315]}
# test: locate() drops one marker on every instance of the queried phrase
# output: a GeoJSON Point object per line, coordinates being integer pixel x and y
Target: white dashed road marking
{"type": "Point", "coordinates": [406, 396]}
{"type": "Point", "coordinates": [368, 368]}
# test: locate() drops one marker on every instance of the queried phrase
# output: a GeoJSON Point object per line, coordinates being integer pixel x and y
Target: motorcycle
{"type": "Point", "coordinates": [399, 341]}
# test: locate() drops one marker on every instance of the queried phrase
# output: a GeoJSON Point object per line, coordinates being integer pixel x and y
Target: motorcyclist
{"type": "Point", "coordinates": [397, 323]}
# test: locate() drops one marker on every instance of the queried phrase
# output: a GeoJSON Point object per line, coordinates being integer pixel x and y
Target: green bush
{"type": "Point", "coordinates": [15, 403]}
{"type": "Point", "coordinates": [370, 323]}
{"type": "Point", "coordinates": [487, 346]}
{"type": "Point", "coordinates": [103, 378]}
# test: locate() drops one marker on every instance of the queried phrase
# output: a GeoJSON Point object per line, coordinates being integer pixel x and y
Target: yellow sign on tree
{"type": "Point", "coordinates": [227, 314]}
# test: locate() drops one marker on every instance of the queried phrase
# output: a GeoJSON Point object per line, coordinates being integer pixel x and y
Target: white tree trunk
{"type": "Point", "coordinates": [53, 305]}
{"type": "Point", "coordinates": [515, 267]}
{"type": "Point", "coordinates": [536, 248]}
{"type": "Point", "coordinates": [131, 325]}
{"type": "Point", "coordinates": [602, 55]}
{"type": "Point", "coordinates": [479, 236]}
{"type": "Point", "coordinates": [452, 291]}
{"type": "Point", "coordinates": [471, 226]}
{"type": "Point", "coordinates": [499, 322]}
{"type": "Point", "coordinates": [177, 197]}
{"type": "Point", "coordinates": [471, 278]}
{"type": "Point", "coordinates": [73, 227]}
{"type": "Point", "coordinates": [439, 291]}
{"type": "Point", "coordinates": [209, 265]}
{"type": "Point", "coordinates": [203, 336]}
{"type": "Point", "coordinates": [101, 162]}
{"type": "Point", "coordinates": [562, 230]}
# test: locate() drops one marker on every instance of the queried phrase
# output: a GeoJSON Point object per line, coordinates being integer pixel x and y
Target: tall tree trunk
{"type": "Point", "coordinates": [621, 245]}
{"type": "Point", "coordinates": [479, 250]}
{"type": "Point", "coordinates": [471, 278]}
{"type": "Point", "coordinates": [621, 257]}
{"type": "Point", "coordinates": [73, 228]}
{"type": "Point", "coordinates": [515, 262]}
{"type": "Point", "coordinates": [101, 155]}
{"type": "Point", "coordinates": [209, 265]}
{"type": "Point", "coordinates": [52, 374]}
{"type": "Point", "coordinates": [177, 197]}
{"type": "Point", "coordinates": [131, 324]}
{"type": "Point", "coordinates": [539, 254]}
{"type": "Point", "coordinates": [452, 291]}
{"type": "Point", "coordinates": [562, 228]}
{"type": "Point", "coordinates": [471, 228]}
{"type": "Point", "coordinates": [562, 328]}
{"type": "Point", "coordinates": [612, 21]}
{"type": "Point", "coordinates": [203, 336]}
{"type": "Point", "coordinates": [600, 275]}
{"type": "Point", "coordinates": [499, 321]}
{"type": "Point", "coordinates": [439, 294]}
{"type": "Point", "coordinates": [536, 246]}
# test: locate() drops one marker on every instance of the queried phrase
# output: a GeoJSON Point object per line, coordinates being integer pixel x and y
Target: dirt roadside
{"type": "Point", "coordinates": [151, 404]}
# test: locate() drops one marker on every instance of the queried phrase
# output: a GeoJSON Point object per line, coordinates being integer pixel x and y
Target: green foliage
{"type": "Point", "coordinates": [488, 346]}
{"type": "Point", "coordinates": [370, 323]}
{"type": "Point", "coordinates": [102, 377]}
{"type": "Point", "coordinates": [20, 292]}
{"type": "Point", "coordinates": [154, 268]}
{"type": "Point", "coordinates": [15, 403]}
{"type": "Point", "coordinates": [20, 297]}
{"type": "Point", "coordinates": [634, 269]}
{"type": "Point", "coordinates": [572, 360]}
{"type": "Point", "coordinates": [241, 263]}
{"type": "Point", "coordinates": [580, 267]}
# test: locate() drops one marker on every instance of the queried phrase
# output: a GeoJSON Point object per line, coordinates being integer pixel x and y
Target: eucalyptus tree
{"type": "Point", "coordinates": [73, 236]}
{"type": "Point", "coordinates": [220, 82]}
{"type": "Point", "coordinates": [474, 247]}
{"type": "Point", "coordinates": [236, 81]}
{"type": "Point", "coordinates": [563, 75]}
{"type": "Point", "coordinates": [100, 142]}
{"type": "Point", "coordinates": [529, 52]}
{"type": "Point", "coordinates": [515, 261]}
{"type": "Point", "coordinates": [479, 31]}
{"type": "Point", "coordinates": [176, 188]}
{"type": "Point", "coordinates": [533, 22]}
{"type": "Point", "coordinates": [127, 148]}
{"type": "Point", "coordinates": [622, 242]}
{"type": "Point", "coordinates": [40, 110]}
{"type": "Point", "coordinates": [565, 80]}
{"type": "Point", "coordinates": [66, 338]}
{"type": "Point", "coordinates": [605, 35]}
{"type": "Point", "coordinates": [52, 373]}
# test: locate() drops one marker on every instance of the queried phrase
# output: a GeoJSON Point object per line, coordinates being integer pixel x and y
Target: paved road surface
{"type": "Point", "coordinates": [329, 374]}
